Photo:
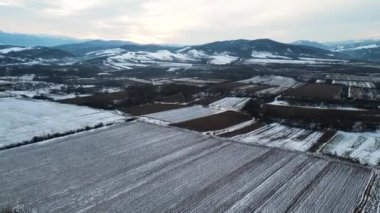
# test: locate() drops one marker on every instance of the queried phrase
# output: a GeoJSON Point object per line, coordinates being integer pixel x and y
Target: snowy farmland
{"type": "Point", "coordinates": [278, 83]}
{"type": "Point", "coordinates": [362, 147]}
{"type": "Point", "coordinates": [180, 115]}
{"type": "Point", "coordinates": [128, 169]}
{"type": "Point", "coordinates": [23, 119]}
{"type": "Point", "coordinates": [230, 103]}
{"type": "Point", "coordinates": [360, 84]}
{"type": "Point", "coordinates": [281, 136]}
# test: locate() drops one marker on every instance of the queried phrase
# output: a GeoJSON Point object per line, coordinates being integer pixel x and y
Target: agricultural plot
{"type": "Point", "coordinates": [23, 119]}
{"type": "Point", "coordinates": [359, 147]}
{"type": "Point", "coordinates": [316, 91]}
{"type": "Point", "coordinates": [347, 77]}
{"type": "Point", "coordinates": [180, 115]}
{"type": "Point", "coordinates": [128, 169]}
{"type": "Point", "coordinates": [277, 84]}
{"type": "Point", "coordinates": [226, 87]}
{"type": "Point", "coordinates": [251, 89]}
{"type": "Point", "coordinates": [271, 80]}
{"type": "Point", "coordinates": [281, 136]}
{"type": "Point", "coordinates": [230, 103]}
{"type": "Point", "coordinates": [360, 84]}
{"type": "Point", "coordinates": [363, 93]}
{"type": "Point", "coordinates": [215, 122]}
{"type": "Point", "coordinates": [150, 108]}
{"type": "Point", "coordinates": [103, 101]}
{"type": "Point", "coordinates": [249, 128]}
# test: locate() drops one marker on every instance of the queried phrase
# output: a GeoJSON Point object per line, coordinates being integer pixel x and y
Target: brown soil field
{"type": "Point", "coordinates": [98, 100]}
{"type": "Point", "coordinates": [149, 108]}
{"type": "Point", "coordinates": [329, 116]}
{"type": "Point", "coordinates": [316, 92]}
{"type": "Point", "coordinates": [241, 131]}
{"type": "Point", "coordinates": [214, 122]}
{"type": "Point", "coordinates": [178, 98]}
{"type": "Point", "coordinates": [227, 86]}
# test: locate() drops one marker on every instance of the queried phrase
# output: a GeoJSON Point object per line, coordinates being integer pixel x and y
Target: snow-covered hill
{"type": "Point", "coordinates": [217, 53]}
{"type": "Point", "coordinates": [17, 55]}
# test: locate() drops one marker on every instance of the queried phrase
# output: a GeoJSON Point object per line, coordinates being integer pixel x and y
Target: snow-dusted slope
{"type": "Point", "coordinates": [14, 49]}
{"type": "Point", "coordinates": [217, 53]}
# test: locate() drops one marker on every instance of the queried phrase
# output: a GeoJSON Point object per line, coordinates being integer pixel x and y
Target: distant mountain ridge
{"type": "Point", "coordinates": [82, 48]}
{"type": "Point", "coordinates": [17, 39]}
{"type": "Point", "coordinates": [127, 54]}
{"type": "Point", "coordinates": [366, 50]}
{"type": "Point", "coordinates": [247, 48]}
{"type": "Point", "coordinates": [311, 44]}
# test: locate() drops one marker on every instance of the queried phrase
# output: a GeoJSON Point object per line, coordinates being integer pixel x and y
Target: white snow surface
{"type": "Point", "coordinates": [322, 107]}
{"type": "Point", "coordinates": [281, 136]}
{"type": "Point", "coordinates": [182, 114]}
{"type": "Point", "coordinates": [23, 119]}
{"type": "Point", "coordinates": [272, 80]}
{"type": "Point", "coordinates": [362, 84]}
{"type": "Point", "coordinates": [222, 59]}
{"type": "Point", "coordinates": [289, 61]}
{"type": "Point", "coordinates": [341, 48]}
{"type": "Point", "coordinates": [230, 103]}
{"type": "Point", "coordinates": [14, 49]}
{"type": "Point", "coordinates": [108, 52]}
{"type": "Point", "coordinates": [264, 54]}
{"type": "Point", "coordinates": [359, 146]}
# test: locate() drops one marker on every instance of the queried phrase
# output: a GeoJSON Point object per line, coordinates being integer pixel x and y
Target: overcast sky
{"type": "Point", "coordinates": [194, 21]}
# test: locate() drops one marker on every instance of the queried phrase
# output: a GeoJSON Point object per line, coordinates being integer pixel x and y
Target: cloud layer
{"type": "Point", "coordinates": [195, 21]}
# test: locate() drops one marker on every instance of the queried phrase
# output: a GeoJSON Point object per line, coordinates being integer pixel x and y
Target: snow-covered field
{"type": "Point", "coordinates": [271, 80]}
{"type": "Point", "coordinates": [23, 119]}
{"type": "Point", "coordinates": [322, 107]}
{"type": "Point", "coordinates": [139, 167]}
{"type": "Point", "coordinates": [363, 147]}
{"type": "Point", "coordinates": [278, 135]}
{"type": "Point", "coordinates": [180, 115]}
{"type": "Point", "coordinates": [362, 84]}
{"type": "Point", "coordinates": [278, 83]}
{"type": "Point", "coordinates": [230, 103]}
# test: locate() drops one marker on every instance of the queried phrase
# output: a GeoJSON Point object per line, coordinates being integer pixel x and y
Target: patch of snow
{"type": "Point", "coordinates": [264, 54]}
{"type": "Point", "coordinates": [342, 48]}
{"type": "Point", "coordinates": [14, 49]}
{"type": "Point", "coordinates": [182, 114]}
{"type": "Point", "coordinates": [108, 52]}
{"type": "Point", "coordinates": [322, 107]}
{"type": "Point", "coordinates": [184, 49]}
{"type": "Point", "coordinates": [231, 129]}
{"type": "Point", "coordinates": [139, 80]}
{"type": "Point", "coordinates": [222, 59]}
{"type": "Point", "coordinates": [230, 103]}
